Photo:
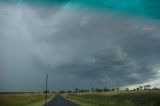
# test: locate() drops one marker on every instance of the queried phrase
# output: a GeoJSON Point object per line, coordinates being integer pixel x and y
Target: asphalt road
{"type": "Point", "coordinates": [60, 101]}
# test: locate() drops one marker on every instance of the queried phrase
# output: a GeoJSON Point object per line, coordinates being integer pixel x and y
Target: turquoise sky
{"type": "Point", "coordinates": [147, 8]}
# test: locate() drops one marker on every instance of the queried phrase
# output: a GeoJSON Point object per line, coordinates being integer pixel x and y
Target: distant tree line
{"type": "Point", "coordinates": [77, 90]}
{"type": "Point", "coordinates": [144, 87]}
{"type": "Point", "coordinates": [105, 89]}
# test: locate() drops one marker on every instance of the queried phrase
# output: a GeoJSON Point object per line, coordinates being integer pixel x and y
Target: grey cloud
{"type": "Point", "coordinates": [108, 63]}
{"type": "Point", "coordinates": [83, 49]}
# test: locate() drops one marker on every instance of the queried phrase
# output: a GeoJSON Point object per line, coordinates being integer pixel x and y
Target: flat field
{"type": "Point", "coordinates": [23, 99]}
{"type": "Point", "coordinates": [128, 98]}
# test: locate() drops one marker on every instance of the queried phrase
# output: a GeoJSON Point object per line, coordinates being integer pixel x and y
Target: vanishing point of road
{"type": "Point", "coordinates": [60, 101]}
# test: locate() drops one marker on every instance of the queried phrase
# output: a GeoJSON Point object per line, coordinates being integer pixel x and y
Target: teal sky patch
{"type": "Point", "coordinates": [147, 8]}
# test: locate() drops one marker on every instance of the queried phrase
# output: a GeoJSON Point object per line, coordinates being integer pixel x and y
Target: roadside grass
{"type": "Point", "coordinates": [23, 99]}
{"type": "Point", "coordinates": [116, 98]}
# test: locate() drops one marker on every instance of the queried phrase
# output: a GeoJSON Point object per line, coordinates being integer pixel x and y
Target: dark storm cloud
{"type": "Point", "coordinates": [102, 67]}
{"type": "Point", "coordinates": [113, 52]}
{"type": "Point", "coordinates": [83, 49]}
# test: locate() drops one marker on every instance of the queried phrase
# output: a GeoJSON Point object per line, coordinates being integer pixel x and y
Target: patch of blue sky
{"type": "Point", "coordinates": [145, 8]}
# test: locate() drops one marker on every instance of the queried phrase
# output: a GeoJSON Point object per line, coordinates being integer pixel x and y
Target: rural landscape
{"type": "Point", "coordinates": [93, 97]}
{"type": "Point", "coordinates": [79, 52]}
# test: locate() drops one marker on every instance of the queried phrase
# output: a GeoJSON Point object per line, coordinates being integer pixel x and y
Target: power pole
{"type": "Point", "coordinates": [46, 90]}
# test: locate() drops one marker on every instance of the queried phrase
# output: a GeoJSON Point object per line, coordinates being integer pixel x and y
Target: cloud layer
{"type": "Point", "coordinates": [77, 49]}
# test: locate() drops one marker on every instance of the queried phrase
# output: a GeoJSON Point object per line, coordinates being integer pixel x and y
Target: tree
{"type": "Point", "coordinates": [117, 89]}
{"type": "Point", "coordinates": [76, 90]}
{"type": "Point", "coordinates": [147, 87]}
{"type": "Point", "coordinates": [127, 89]}
{"type": "Point", "coordinates": [62, 91]}
{"type": "Point", "coordinates": [69, 91]}
{"type": "Point", "coordinates": [92, 89]}
{"type": "Point", "coordinates": [105, 89]}
{"type": "Point", "coordinates": [113, 89]}
{"type": "Point", "coordinates": [140, 87]}
{"type": "Point", "coordinates": [98, 90]}
{"type": "Point", "coordinates": [46, 91]}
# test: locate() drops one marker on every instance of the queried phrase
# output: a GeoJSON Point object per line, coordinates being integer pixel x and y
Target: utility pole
{"type": "Point", "coordinates": [46, 90]}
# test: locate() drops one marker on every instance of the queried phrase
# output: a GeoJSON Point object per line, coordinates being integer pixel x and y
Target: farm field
{"type": "Point", "coordinates": [27, 99]}
{"type": "Point", "coordinates": [130, 98]}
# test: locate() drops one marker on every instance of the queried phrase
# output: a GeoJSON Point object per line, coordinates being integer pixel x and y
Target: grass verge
{"type": "Point", "coordinates": [116, 99]}
{"type": "Point", "coordinates": [23, 99]}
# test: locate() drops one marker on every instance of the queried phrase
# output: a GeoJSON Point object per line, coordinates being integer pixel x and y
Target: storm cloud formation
{"type": "Point", "coordinates": [76, 47]}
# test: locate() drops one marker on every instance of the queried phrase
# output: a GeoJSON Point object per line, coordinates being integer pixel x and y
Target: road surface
{"type": "Point", "coordinates": [60, 101]}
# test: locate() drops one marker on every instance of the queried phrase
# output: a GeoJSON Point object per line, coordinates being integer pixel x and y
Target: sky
{"type": "Point", "coordinates": [79, 44]}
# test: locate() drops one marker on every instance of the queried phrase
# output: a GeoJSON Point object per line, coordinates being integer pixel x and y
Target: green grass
{"type": "Point", "coordinates": [116, 99]}
{"type": "Point", "coordinates": [23, 99]}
